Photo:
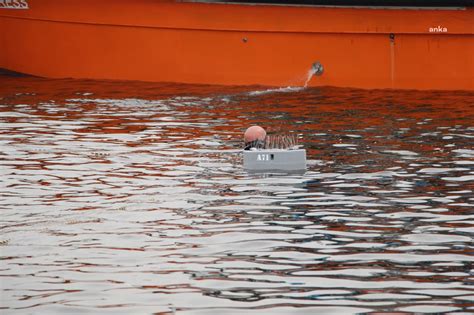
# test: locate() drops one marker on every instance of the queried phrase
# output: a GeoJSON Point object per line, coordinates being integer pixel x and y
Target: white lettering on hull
{"type": "Point", "coordinates": [438, 29]}
{"type": "Point", "coordinates": [263, 157]}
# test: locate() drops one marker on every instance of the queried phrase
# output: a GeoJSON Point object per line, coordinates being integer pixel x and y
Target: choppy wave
{"type": "Point", "coordinates": [139, 204]}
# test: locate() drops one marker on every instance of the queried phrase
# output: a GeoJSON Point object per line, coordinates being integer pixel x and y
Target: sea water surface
{"type": "Point", "coordinates": [130, 198]}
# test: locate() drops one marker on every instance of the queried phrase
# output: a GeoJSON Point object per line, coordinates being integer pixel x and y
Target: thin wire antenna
{"type": "Point", "coordinates": [276, 141]}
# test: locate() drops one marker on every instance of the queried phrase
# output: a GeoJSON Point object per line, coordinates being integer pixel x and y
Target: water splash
{"type": "Point", "coordinates": [287, 89]}
{"type": "Point", "coordinates": [311, 73]}
{"type": "Point", "coordinates": [316, 69]}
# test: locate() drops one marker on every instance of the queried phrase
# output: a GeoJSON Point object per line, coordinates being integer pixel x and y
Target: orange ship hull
{"type": "Point", "coordinates": [230, 44]}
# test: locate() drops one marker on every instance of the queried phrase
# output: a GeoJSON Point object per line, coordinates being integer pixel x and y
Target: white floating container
{"type": "Point", "coordinates": [275, 160]}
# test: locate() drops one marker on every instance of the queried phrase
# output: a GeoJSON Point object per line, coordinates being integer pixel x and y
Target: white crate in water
{"type": "Point", "coordinates": [275, 160]}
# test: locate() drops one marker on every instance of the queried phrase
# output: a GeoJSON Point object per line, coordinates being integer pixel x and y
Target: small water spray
{"type": "Point", "coordinates": [308, 78]}
{"type": "Point", "coordinates": [316, 69]}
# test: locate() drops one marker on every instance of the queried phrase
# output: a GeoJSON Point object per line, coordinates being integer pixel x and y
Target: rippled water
{"type": "Point", "coordinates": [125, 197]}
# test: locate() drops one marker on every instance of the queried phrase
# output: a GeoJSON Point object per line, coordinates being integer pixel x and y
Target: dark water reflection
{"type": "Point", "coordinates": [131, 198]}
